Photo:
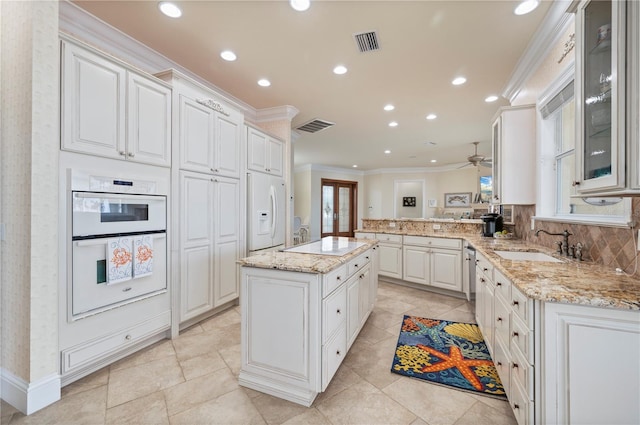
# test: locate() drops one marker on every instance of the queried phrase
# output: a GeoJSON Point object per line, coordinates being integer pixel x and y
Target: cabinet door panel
{"type": "Point", "coordinates": [446, 269]}
{"type": "Point", "coordinates": [196, 136]}
{"type": "Point", "coordinates": [227, 154]}
{"type": "Point", "coordinates": [196, 210]}
{"type": "Point", "coordinates": [276, 157]}
{"type": "Point", "coordinates": [353, 306]}
{"type": "Point", "coordinates": [226, 272]}
{"type": "Point", "coordinates": [390, 261]}
{"type": "Point", "coordinates": [196, 290]}
{"type": "Point", "coordinates": [415, 266]}
{"type": "Point", "coordinates": [257, 150]}
{"type": "Point", "coordinates": [93, 104]}
{"type": "Point", "coordinates": [227, 240]}
{"type": "Point", "coordinates": [149, 125]}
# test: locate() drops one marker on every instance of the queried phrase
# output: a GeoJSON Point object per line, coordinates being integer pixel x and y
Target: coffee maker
{"type": "Point", "coordinates": [491, 223]}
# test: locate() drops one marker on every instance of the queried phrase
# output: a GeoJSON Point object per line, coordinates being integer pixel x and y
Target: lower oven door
{"type": "Point", "coordinates": [108, 272]}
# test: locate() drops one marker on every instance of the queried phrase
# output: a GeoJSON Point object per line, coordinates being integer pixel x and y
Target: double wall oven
{"type": "Point", "coordinates": [118, 237]}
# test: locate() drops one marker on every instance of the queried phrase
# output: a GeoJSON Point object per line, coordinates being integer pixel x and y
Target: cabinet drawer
{"type": "Point", "coordinates": [358, 263]}
{"type": "Point", "coordinates": [433, 242]}
{"type": "Point", "coordinates": [389, 238]}
{"type": "Point", "coordinates": [92, 351]}
{"type": "Point", "coordinates": [333, 352]}
{"type": "Point", "coordinates": [333, 279]}
{"type": "Point", "coordinates": [483, 265]}
{"type": "Point", "coordinates": [522, 373]}
{"type": "Point", "coordinates": [502, 318]}
{"type": "Point", "coordinates": [522, 337]}
{"type": "Point", "coordinates": [503, 286]}
{"type": "Point", "coordinates": [365, 235]}
{"type": "Point", "coordinates": [334, 312]}
{"type": "Point", "coordinates": [522, 306]}
{"type": "Point", "coordinates": [522, 407]}
{"type": "Point", "coordinates": [502, 363]}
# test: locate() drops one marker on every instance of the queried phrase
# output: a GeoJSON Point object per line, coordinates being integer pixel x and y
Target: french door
{"type": "Point", "coordinates": [338, 208]}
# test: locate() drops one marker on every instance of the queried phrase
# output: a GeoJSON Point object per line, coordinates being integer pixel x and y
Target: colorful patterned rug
{"type": "Point", "coordinates": [447, 353]}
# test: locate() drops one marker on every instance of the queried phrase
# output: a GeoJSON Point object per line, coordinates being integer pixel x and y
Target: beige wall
{"type": "Point", "coordinates": [29, 167]}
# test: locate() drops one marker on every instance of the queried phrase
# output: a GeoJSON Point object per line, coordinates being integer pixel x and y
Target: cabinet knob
{"type": "Point", "coordinates": [338, 353]}
{"type": "Point", "coordinates": [127, 289]}
{"type": "Point", "coordinates": [485, 269]}
{"type": "Point", "coordinates": [499, 363]}
{"type": "Point", "coordinates": [338, 311]}
{"type": "Point", "coordinates": [499, 319]}
{"type": "Point", "coordinates": [515, 303]}
{"type": "Point", "coordinates": [515, 406]}
{"type": "Point", "coordinates": [575, 183]}
{"type": "Point", "coordinates": [338, 278]}
{"type": "Point", "coordinates": [128, 337]}
{"type": "Point", "coordinates": [367, 257]}
{"type": "Point", "coordinates": [123, 153]}
{"type": "Point", "coordinates": [482, 280]}
{"type": "Point", "coordinates": [515, 365]}
{"type": "Point", "coordinates": [212, 170]}
{"type": "Point", "coordinates": [131, 154]}
{"type": "Point", "coordinates": [355, 265]}
{"type": "Point", "coordinates": [477, 262]}
{"type": "Point", "coordinates": [516, 334]}
{"type": "Point", "coordinates": [498, 283]}
{"type": "Point", "coordinates": [361, 276]}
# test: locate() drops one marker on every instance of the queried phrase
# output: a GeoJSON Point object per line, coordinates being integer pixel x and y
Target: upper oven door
{"type": "Point", "coordinates": [96, 213]}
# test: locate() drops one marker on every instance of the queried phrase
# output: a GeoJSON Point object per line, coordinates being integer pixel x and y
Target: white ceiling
{"type": "Point", "coordinates": [423, 46]}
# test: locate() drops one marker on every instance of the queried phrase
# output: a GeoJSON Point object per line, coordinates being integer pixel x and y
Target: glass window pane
{"type": "Point", "coordinates": [344, 194]}
{"type": "Point", "coordinates": [327, 209]}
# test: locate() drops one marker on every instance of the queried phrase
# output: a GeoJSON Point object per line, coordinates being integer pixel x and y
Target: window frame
{"type": "Point", "coordinates": [547, 174]}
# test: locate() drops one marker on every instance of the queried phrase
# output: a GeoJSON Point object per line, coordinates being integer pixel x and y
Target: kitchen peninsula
{"type": "Point", "coordinates": [301, 309]}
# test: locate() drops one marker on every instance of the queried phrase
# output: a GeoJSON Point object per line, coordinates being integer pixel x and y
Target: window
{"type": "Point", "coordinates": [557, 166]}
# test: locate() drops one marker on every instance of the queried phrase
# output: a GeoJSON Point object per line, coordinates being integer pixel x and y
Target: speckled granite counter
{"type": "Point", "coordinates": [304, 262]}
{"type": "Point", "coordinates": [570, 282]}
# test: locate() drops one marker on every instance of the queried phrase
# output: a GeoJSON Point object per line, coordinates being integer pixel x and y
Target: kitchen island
{"type": "Point", "coordinates": [301, 309]}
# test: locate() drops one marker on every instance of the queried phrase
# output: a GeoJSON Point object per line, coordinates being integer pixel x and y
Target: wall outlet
{"type": "Point", "coordinates": [436, 227]}
{"type": "Point", "coordinates": [392, 224]}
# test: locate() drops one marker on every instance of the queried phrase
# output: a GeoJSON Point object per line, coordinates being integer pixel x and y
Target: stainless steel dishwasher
{"type": "Point", "coordinates": [469, 280]}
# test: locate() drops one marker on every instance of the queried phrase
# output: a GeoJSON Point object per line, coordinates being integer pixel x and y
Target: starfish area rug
{"type": "Point", "coordinates": [446, 353]}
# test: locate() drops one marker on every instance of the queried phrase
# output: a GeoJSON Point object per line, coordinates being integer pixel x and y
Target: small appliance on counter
{"type": "Point", "coordinates": [491, 223]}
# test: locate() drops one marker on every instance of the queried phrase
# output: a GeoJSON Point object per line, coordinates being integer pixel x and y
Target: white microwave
{"type": "Point", "coordinates": [101, 213]}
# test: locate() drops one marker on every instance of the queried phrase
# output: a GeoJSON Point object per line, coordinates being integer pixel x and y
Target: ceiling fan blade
{"type": "Point", "coordinates": [465, 165]}
{"type": "Point", "coordinates": [486, 164]}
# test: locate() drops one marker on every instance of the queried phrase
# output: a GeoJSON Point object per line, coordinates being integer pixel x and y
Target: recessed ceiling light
{"type": "Point", "coordinates": [526, 7]}
{"type": "Point", "coordinates": [170, 9]}
{"type": "Point", "coordinates": [228, 55]}
{"type": "Point", "coordinates": [300, 5]}
{"type": "Point", "coordinates": [387, 151]}
{"type": "Point", "coordinates": [432, 116]}
{"type": "Point", "coordinates": [389, 107]}
{"type": "Point", "coordinates": [491, 98]}
{"type": "Point", "coordinates": [355, 165]}
{"type": "Point", "coordinates": [264, 82]}
{"type": "Point", "coordinates": [434, 160]}
{"type": "Point", "coordinates": [459, 80]}
{"type": "Point", "coordinates": [340, 69]}
{"type": "Point", "coordinates": [430, 143]}
{"type": "Point", "coordinates": [393, 124]}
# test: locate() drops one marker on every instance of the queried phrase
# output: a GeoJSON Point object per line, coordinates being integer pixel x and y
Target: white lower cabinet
{"type": "Point", "coordinates": [390, 255]}
{"type": "Point", "coordinates": [209, 243]}
{"type": "Point", "coordinates": [297, 327]}
{"type": "Point", "coordinates": [591, 359]}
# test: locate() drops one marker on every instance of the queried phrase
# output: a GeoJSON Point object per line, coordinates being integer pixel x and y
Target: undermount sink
{"type": "Point", "coordinates": [527, 256]}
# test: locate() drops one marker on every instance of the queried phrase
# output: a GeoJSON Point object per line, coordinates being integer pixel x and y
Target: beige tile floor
{"type": "Point", "coordinates": [193, 380]}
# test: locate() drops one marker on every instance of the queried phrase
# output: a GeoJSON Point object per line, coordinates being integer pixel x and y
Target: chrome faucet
{"type": "Point", "coordinates": [565, 239]}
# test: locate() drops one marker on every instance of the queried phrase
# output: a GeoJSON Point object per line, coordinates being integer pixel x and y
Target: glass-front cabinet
{"type": "Point", "coordinates": [603, 98]}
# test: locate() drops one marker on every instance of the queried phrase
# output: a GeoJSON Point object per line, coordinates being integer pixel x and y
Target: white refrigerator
{"type": "Point", "coordinates": [266, 208]}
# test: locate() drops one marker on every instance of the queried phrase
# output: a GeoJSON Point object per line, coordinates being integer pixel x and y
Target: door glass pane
{"type": "Point", "coordinates": [597, 88]}
{"type": "Point", "coordinates": [344, 196]}
{"type": "Point", "coordinates": [327, 209]}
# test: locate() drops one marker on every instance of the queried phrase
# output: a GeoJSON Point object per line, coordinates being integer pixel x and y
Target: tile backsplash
{"type": "Point", "coordinates": [610, 246]}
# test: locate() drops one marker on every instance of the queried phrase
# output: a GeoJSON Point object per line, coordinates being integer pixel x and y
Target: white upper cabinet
{"type": "Point", "coordinates": [264, 153]}
{"type": "Point", "coordinates": [607, 98]}
{"type": "Point", "coordinates": [108, 110]}
{"type": "Point", "coordinates": [514, 153]}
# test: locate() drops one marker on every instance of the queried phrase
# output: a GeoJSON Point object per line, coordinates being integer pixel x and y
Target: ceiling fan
{"type": "Point", "coordinates": [476, 159]}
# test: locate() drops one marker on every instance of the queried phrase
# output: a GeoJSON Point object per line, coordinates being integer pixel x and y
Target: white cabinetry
{"type": "Point", "coordinates": [514, 147]}
{"type": "Point", "coordinates": [433, 261]}
{"type": "Point", "coordinates": [330, 311]}
{"type": "Point", "coordinates": [485, 291]}
{"type": "Point", "coordinates": [210, 243]}
{"type": "Point", "coordinates": [390, 255]}
{"type": "Point", "coordinates": [209, 140]}
{"type": "Point", "coordinates": [110, 110]}
{"type": "Point", "coordinates": [264, 153]}
{"type": "Point", "coordinates": [592, 370]}
{"type": "Point", "coordinates": [607, 83]}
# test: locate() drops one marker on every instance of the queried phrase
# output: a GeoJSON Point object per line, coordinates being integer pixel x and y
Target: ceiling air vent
{"type": "Point", "coordinates": [367, 41]}
{"type": "Point", "coordinates": [314, 125]}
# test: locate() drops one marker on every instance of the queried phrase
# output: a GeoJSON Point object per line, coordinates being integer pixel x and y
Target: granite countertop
{"type": "Point", "coordinates": [570, 282]}
{"type": "Point", "coordinates": [306, 262]}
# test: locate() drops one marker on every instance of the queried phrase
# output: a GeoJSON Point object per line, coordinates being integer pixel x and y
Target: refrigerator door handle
{"type": "Point", "coordinates": [274, 210]}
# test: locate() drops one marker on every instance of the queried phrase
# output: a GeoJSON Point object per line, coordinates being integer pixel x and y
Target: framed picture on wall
{"type": "Point", "coordinates": [455, 200]}
{"type": "Point", "coordinates": [409, 201]}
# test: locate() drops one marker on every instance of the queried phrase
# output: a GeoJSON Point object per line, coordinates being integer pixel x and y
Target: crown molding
{"type": "Point", "coordinates": [438, 169]}
{"type": "Point", "coordinates": [328, 168]}
{"type": "Point", "coordinates": [80, 24]}
{"type": "Point", "coordinates": [277, 113]}
{"type": "Point", "coordinates": [543, 41]}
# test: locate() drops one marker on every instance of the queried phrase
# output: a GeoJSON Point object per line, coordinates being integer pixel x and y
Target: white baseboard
{"type": "Point", "coordinates": [29, 397]}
